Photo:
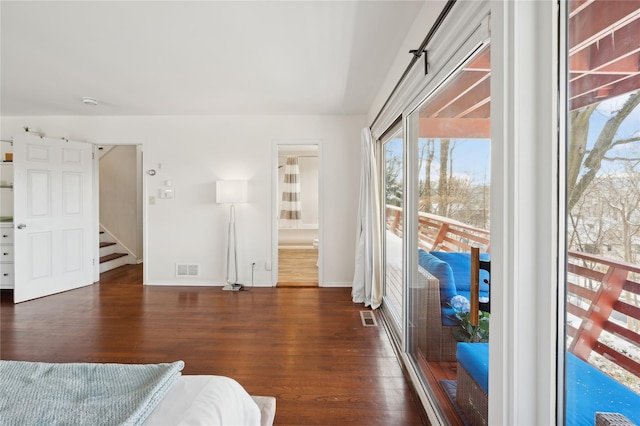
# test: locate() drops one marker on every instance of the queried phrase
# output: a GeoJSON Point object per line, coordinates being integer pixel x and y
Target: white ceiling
{"type": "Point", "coordinates": [198, 58]}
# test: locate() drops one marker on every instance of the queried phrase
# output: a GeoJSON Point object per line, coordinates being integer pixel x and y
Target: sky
{"type": "Point", "coordinates": [472, 157]}
{"type": "Point", "coordinates": [629, 128]}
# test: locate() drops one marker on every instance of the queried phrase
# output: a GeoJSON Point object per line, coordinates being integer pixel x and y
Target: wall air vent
{"type": "Point", "coordinates": [368, 319]}
{"type": "Point", "coordinates": [187, 270]}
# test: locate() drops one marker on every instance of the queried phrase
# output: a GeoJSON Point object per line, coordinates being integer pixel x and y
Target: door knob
{"type": "Point", "coordinates": [22, 226]}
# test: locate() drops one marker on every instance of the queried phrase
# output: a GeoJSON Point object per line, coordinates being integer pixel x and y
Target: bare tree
{"type": "Point", "coordinates": [427, 149]}
{"type": "Point", "coordinates": [443, 187]}
{"type": "Point", "coordinates": [622, 196]}
{"type": "Point", "coordinates": [393, 177]}
{"type": "Point", "coordinates": [583, 165]}
{"type": "Point", "coordinates": [590, 221]}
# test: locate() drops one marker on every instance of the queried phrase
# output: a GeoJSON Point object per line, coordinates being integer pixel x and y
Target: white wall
{"type": "Point", "coordinates": [194, 152]}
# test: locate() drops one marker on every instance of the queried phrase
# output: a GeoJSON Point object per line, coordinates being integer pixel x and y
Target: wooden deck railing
{"type": "Point", "coordinates": [440, 233]}
{"type": "Point", "coordinates": [603, 294]}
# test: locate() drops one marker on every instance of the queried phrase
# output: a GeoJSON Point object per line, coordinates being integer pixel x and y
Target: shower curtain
{"type": "Point", "coordinates": [291, 208]}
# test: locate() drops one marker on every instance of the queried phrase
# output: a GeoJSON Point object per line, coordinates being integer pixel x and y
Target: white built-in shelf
{"type": "Point", "coordinates": [9, 186]}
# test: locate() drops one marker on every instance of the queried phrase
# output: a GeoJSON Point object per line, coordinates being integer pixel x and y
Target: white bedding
{"type": "Point", "coordinates": [205, 400]}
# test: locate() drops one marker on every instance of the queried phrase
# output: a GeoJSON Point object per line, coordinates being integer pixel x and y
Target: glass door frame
{"type": "Point", "coordinates": [524, 196]}
{"type": "Point", "coordinates": [398, 332]}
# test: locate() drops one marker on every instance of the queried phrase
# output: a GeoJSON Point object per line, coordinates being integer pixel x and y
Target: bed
{"type": "Point", "coordinates": [124, 394]}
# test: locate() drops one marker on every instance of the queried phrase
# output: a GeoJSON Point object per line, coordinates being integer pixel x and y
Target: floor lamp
{"type": "Point", "coordinates": [231, 192]}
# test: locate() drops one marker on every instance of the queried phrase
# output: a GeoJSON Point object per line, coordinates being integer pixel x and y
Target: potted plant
{"type": "Point", "coordinates": [468, 332]}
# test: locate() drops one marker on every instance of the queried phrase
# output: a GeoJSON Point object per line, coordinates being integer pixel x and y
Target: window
{"type": "Point", "coordinates": [602, 301]}
{"type": "Point", "coordinates": [393, 148]}
{"type": "Point", "coordinates": [451, 153]}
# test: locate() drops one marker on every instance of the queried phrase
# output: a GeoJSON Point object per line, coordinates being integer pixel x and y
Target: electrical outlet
{"type": "Point", "coordinates": [253, 264]}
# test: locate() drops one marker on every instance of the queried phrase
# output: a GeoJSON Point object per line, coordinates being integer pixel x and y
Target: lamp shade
{"type": "Point", "coordinates": [231, 191]}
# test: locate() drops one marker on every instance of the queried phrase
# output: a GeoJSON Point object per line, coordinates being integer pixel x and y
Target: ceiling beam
{"type": "Point", "coordinates": [455, 128]}
{"type": "Point", "coordinates": [593, 82]}
{"type": "Point", "coordinates": [470, 100]}
{"type": "Point", "coordinates": [461, 87]}
{"type": "Point", "coordinates": [575, 6]}
{"type": "Point", "coordinates": [630, 84]}
{"type": "Point", "coordinates": [608, 52]}
{"type": "Point", "coordinates": [599, 19]}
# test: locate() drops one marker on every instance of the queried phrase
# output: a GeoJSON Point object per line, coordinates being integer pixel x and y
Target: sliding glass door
{"type": "Point", "coordinates": [450, 149]}
{"type": "Point", "coordinates": [602, 187]}
{"type": "Point", "coordinates": [393, 149]}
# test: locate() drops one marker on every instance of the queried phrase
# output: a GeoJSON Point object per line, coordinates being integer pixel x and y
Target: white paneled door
{"type": "Point", "coordinates": [54, 235]}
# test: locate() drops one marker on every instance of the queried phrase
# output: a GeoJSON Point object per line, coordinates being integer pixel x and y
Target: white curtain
{"type": "Point", "coordinates": [367, 283]}
{"type": "Point", "coordinates": [291, 207]}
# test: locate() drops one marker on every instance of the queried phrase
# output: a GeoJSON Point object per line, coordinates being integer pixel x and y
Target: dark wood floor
{"type": "Point", "coordinates": [305, 346]}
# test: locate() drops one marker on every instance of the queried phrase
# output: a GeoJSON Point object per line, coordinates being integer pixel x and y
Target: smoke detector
{"type": "Point", "coordinates": [89, 101]}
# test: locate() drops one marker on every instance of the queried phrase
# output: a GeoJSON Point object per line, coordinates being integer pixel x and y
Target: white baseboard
{"type": "Point", "coordinates": [182, 282]}
{"type": "Point", "coordinates": [336, 284]}
{"type": "Point", "coordinates": [262, 284]}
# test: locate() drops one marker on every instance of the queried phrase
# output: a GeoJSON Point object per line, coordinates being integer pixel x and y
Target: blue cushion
{"type": "Point", "coordinates": [474, 357]}
{"type": "Point", "coordinates": [589, 390]}
{"type": "Point", "coordinates": [461, 266]}
{"type": "Point", "coordinates": [442, 271]}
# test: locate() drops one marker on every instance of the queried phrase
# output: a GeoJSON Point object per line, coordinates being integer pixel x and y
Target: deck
{"type": "Point", "coordinates": [603, 302]}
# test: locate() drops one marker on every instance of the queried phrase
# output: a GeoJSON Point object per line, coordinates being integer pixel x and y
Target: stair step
{"type": "Point", "coordinates": [105, 244]}
{"type": "Point", "coordinates": [112, 256]}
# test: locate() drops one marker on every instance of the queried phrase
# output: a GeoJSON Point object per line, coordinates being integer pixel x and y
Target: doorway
{"type": "Point", "coordinates": [120, 205]}
{"type": "Point", "coordinates": [297, 212]}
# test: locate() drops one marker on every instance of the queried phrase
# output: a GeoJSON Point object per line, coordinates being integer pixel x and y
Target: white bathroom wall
{"type": "Point", "coordinates": [194, 152]}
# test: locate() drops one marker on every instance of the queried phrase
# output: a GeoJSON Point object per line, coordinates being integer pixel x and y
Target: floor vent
{"type": "Point", "coordinates": [368, 319]}
{"type": "Point", "coordinates": [187, 270]}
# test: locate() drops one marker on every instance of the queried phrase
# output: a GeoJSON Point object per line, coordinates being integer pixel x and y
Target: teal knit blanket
{"type": "Point", "coordinates": [36, 393]}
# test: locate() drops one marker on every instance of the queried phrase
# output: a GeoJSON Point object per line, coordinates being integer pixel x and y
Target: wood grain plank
{"type": "Point", "coordinates": [307, 347]}
{"type": "Point", "coordinates": [297, 267]}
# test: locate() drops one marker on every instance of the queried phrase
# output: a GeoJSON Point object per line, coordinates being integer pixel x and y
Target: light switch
{"type": "Point", "coordinates": [165, 193]}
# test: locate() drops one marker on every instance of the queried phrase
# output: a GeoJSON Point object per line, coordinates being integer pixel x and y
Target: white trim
{"type": "Point", "coordinates": [562, 213]}
{"type": "Point", "coordinates": [523, 213]}
{"type": "Point", "coordinates": [96, 214]}
{"type": "Point", "coordinates": [274, 206]}
{"type": "Point", "coordinates": [337, 284]}
{"type": "Point", "coordinates": [185, 282]}
{"type": "Point", "coordinates": [145, 218]}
